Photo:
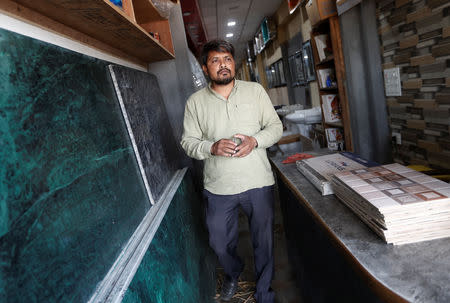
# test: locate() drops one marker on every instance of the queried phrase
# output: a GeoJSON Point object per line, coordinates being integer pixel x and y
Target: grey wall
{"type": "Point", "coordinates": [175, 76]}
{"type": "Point", "coordinates": [176, 81]}
{"type": "Point", "coordinates": [365, 90]}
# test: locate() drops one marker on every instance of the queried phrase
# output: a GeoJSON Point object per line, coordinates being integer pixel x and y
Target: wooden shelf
{"type": "Point", "coordinates": [327, 60]}
{"type": "Point", "coordinates": [103, 21]}
{"type": "Point", "coordinates": [334, 124]}
{"type": "Point", "coordinates": [145, 11]}
{"type": "Point", "coordinates": [330, 26]}
{"type": "Point", "coordinates": [328, 88]}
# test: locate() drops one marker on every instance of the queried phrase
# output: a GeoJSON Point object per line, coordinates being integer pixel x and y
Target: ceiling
{"type": "Point", "coordinates": [207, 19]}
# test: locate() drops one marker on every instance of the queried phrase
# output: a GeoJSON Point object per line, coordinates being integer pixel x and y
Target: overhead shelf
{"type": "Point", "coordinates": [103, 21]}
{"type": "Point", "coordinates": [145, 11]}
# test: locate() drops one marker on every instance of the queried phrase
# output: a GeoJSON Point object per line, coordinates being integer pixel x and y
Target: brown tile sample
{"type": "Point", "coordinates": [409, 41]}
{"type": "Point", "coordinates": [416, 124]}
{"type": "Point", "coordinates": [418, 14]}
{"type": "Point", "coordinates": [425, 103]}
{"type": "Point", "coordinates": [412, 83]}
{"type": "Point", "coordinates": [441, 50]}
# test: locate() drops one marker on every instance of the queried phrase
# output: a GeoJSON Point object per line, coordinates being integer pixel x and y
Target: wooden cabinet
{"type": "Point", "coordinates": [330, 74]}
{"type": "Point", "coordinates": [124, 33]}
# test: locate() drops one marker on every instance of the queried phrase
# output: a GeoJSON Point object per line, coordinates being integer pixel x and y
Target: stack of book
{"type": "Point", "coordinates": [401, 205]}
{"type": "Point", "coordinates": [331, 108]}
{"type": "Point", "coordinates": [335, 138]}
{"type": "Point", "coordinates": [319, 170]}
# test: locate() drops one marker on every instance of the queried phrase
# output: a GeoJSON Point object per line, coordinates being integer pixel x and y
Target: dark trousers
{"type": "Point", "coordinates": [222, 222]}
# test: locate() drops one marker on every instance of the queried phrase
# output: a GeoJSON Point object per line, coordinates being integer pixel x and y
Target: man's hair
{"type": "Point", "coordinates": [217, 45]}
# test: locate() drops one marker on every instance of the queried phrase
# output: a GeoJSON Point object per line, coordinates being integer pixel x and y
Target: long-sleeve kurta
{"type": "Point", "coordinates": [210, 117]}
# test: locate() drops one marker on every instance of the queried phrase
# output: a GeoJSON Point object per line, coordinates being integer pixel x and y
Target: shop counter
{"type": "Point", "coordinates": [337, 258]}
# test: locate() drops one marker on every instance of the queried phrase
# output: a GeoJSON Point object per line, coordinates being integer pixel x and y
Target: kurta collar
{"type": "Point", "coordinates": [233, 90]}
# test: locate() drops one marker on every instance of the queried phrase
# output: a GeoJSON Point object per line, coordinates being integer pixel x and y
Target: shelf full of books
{"type": "Point", "coordinates": [330, 72]}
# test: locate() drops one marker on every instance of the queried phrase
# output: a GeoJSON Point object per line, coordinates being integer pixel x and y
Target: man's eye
{"type": "Point", "coordinates": [228, 59]}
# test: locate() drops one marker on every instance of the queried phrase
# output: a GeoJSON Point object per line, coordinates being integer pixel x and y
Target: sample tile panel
{"type": "Point", "coordinates": [71, 193]}
{"type": "Point", "coordinates": [149, 125]}
{"type": "Point", "coordinates": [179, 266]}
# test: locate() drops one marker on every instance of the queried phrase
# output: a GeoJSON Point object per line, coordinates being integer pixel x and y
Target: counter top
{"type": "Point", "coordinates": [418, 272]}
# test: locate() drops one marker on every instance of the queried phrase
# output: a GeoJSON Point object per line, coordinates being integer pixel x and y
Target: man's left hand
{"type": "Point", "coordinates": [246, 147]}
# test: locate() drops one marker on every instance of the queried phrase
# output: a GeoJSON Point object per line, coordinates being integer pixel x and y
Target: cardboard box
{"type": "Point", "coordinates": [320, 9]}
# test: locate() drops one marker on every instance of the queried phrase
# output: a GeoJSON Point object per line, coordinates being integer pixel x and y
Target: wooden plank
{"type": "Point", "coordinates": [103, 21]}
{"type": "Point", "coordinates": [336, 41]}
{"type": "Point", "coordinates": [129, 9]}
{"type": "Point", "coordinates": [145, 11]}
{"type": "Point", "coordinates": [161, 27]}
{"type": "Point", "coordinates": [289, 139]}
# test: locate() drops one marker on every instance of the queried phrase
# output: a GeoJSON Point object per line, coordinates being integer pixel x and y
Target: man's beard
{"type": "Point", "coordinates": [224, 81]}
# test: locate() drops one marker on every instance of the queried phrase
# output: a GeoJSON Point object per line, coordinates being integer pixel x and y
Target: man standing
{"type": "Point", "coordinates": [229, 125]}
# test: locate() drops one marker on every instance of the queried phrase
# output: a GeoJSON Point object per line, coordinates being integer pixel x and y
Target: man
{"type": "Point", "coordinates": [229, 125]}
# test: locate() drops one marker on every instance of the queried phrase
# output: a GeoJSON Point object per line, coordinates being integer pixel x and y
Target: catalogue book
{"type": "Point", "coordinates": [401, 205]}
{"type": "Point", "coordinates": [331, 108]}
{"type": "Point", "coordinates": [319, 170]}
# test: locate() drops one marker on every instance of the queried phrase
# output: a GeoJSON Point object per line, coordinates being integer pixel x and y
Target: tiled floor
{"type": "Point", "coordinates": [283, 283]}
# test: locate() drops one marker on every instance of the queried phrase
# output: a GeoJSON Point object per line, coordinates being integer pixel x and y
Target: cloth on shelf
{"type": "Point", "coordinates": [297, 157]}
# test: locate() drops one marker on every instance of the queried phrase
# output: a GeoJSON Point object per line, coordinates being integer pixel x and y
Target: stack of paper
{"type": "Point", "coordinates": [399, 204]}
{"type": "Point", "coordinates": [318, 170]}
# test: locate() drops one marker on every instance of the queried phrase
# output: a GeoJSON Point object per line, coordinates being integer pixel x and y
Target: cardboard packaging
{"type": "Point", "coordinates": [319, 10]}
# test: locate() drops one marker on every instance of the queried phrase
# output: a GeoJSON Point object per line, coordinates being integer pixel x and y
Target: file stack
{"type": "Point", "coordinates": [401, 205]}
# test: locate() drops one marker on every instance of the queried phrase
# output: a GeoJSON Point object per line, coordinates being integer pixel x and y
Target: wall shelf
{"type": "Point", "coordinates": [103, 21]}
{"type": "Point", "coordinates": [330, 26]}
{"type": "Point", "coordinates": [325, 61]}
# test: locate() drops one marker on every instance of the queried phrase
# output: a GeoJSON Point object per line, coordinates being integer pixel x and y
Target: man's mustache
{"type": "Point", "coordinates": [223, 69]}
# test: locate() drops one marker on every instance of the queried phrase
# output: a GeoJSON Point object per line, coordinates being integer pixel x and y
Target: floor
{"type": "Point", "coordinates": [283, 283]}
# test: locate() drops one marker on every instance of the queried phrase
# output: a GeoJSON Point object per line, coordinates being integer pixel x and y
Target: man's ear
{"type": "Point", "coordinates": [205, 70]}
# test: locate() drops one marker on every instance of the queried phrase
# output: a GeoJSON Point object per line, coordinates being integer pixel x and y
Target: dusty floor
{"type": "Point", "coordinates": [283, 284]}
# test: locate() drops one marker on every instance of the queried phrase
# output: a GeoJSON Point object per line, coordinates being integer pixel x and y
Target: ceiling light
{"type": "Point", "coordinates": [229, 35]}
{"type": "Point", "coordinates": [231, 23]}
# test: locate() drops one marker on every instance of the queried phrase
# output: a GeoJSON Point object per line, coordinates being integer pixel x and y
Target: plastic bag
{"type": "Point", "coordinates": [164, 7]}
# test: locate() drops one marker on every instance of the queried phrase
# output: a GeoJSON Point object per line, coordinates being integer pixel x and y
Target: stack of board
{"type": "Point", "coordinates": [318, 170]}
{"type": "Point", "coordinates": [401, 205]}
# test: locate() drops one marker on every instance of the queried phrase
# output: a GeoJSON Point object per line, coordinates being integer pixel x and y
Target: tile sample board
{"type": "Point", "coordinates": [71, 193]}
{"type": "Point", "coordinates": [178, 266]}
{"type": "Point", "coordinates": [148, 125]}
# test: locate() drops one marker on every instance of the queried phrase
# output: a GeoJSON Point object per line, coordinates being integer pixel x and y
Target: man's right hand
{"type": "Point", "coordinates": [223, 147]}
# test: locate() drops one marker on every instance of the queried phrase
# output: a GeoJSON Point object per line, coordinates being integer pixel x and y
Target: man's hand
{"type": "Point", "coordinates": [246, 147]}
{"type": "Point", "coordinates": [223, 147]}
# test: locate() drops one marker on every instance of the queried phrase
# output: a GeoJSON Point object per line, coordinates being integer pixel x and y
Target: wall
{"type": "Point", "coordinates": [290, 27]}
{"type": "Point", "coordinates": [415, 36]}
{"type": "Point", "coordinates": [364, 83]}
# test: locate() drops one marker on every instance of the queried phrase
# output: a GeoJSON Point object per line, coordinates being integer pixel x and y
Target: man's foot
{"type": "Point", "coordinates": [229, 288]}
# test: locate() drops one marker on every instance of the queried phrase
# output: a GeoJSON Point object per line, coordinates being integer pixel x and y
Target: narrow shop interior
{"type": "Point", "coordinates": [100, 203]}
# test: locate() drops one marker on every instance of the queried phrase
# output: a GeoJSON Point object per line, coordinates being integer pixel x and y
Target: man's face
{"type": "Point", "coordinates": [220, 67]}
